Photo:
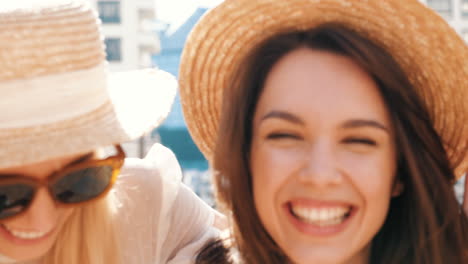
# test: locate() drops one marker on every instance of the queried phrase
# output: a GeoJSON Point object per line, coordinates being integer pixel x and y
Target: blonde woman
{"type": "Point", "coordinates": [67, 193]}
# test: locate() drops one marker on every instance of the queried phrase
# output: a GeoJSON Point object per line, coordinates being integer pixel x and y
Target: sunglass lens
{"type": "Point", "coordinates": [14, 199]}
{"type": "Point", "coordinates": [82, 185]}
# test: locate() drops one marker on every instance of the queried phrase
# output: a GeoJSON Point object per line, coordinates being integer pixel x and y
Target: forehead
{"type": "Point", "coordinates": [321, 83]}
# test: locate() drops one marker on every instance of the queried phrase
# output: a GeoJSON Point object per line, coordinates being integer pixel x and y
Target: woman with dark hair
{"type": "Point", "coordinates": [336, 129]}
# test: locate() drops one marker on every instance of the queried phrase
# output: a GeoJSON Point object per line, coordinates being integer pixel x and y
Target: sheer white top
{"type": "Point", "coordinates": [161, 220]}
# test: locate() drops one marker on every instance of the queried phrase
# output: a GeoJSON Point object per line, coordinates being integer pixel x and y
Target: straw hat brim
{"type": "Point", "coordinates": [139, 101]}
{"type": "Point", "coordinates": [429, 51]}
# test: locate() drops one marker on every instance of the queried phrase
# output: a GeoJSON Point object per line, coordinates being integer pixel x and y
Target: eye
{"type": "Point", "coordinates": [363, 141]}
{"type": "Point", "coordinates": [277, 136]}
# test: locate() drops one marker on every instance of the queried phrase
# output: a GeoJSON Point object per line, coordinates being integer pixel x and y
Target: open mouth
{"type": "Point", "coordinates": [25, 235]}
{"type": "Point", "coordinates": [321, 216]}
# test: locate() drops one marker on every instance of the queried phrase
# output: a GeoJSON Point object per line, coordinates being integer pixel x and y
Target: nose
{"type": "Point", "coordinates": [42, 213]}
{"type": "Point", "coordinates": [319, 166]}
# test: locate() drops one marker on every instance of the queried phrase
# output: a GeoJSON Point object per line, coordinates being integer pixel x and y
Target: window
{"type": "Point", "coordinates": [109, 11]}
{"type": "Point", "coordinates": [443, 7]}
{"type": "Point", "coordinates": [464, 8]}
{"type": "Point", "coordinates": [113, 49]}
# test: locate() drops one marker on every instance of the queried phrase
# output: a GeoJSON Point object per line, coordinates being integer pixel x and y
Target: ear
{"type": "Point", "coordinates": [398, 188]}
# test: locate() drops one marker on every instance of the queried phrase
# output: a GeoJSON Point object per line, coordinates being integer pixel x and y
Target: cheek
{"type": "Point", "coordinates": [274, 164]}
{"type": "Point", "coordinates": [373, 175]}
{"type": "Point", "coordinates": [271, 169]}
{"type": "Point", "coordinates": [263, 177]}
{"type": "Point", "coordinates": [373, 178]}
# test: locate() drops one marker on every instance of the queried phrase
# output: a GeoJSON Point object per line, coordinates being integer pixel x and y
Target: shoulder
{"type": "Point", "coordinates": [149, 183]}
{"type": "Point", "coordinates": [145, 192]}
{"type": "Point", "coordinates": [159, 160]}
{"type": "Point", "coordinates": [159, 166]}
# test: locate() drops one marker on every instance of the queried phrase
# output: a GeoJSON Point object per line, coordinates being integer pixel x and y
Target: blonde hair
{"type": "Point", "coordinates": [88, 236]}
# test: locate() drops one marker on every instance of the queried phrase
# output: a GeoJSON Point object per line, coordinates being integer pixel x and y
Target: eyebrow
{"type": "Point", "coordinates": [356, 123]}
{"type": "Point", "coordinates": [283, 115]}
{"type": "Point", "coordinates": [353, 123]}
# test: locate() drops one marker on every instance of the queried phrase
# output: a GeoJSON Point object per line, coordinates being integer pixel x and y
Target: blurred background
{"type": "Point", "coordinates": [152, 33]}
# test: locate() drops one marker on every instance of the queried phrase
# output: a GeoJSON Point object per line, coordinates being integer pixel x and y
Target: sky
{"type": "Point", "coordinates": [172, 11]}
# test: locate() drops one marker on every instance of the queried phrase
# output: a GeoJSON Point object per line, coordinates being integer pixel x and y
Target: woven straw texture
{"type": "Point", "coordinates": [430, 52]}
{"type": "Point", "coordinates": [48, 40]}
{"type": "Point", "coordinates": [53, 40]}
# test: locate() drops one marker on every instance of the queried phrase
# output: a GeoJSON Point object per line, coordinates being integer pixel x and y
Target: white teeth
{"type": "Point", "coordinates": [321, 216]}
{"type": "Point", "coordinates": [26, 235]}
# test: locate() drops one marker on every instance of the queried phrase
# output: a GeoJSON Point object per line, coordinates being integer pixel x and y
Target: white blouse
{"type": "Point", "coordinates": [162, 221]}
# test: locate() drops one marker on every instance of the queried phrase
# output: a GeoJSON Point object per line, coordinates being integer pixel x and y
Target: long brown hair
{"type": "Point", "coordinates": [424, 224]}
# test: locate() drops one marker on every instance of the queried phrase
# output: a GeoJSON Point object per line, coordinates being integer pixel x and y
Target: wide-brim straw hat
{"type": "Point", "coordinates": [57, 96]}
{"type": "Point", "coordinates": [431, 53]}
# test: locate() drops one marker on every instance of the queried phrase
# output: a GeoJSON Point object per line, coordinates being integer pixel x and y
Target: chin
{"type": "Point", "coordinates": [319, 260]}
{"type": "Point", "coordinates": [321, 257]}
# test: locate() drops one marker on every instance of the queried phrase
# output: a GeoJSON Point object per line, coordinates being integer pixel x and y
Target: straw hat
{"type": "Point", "coordinates": [58, 98]}
{"type": "Point", "coordinates": [429, 51]}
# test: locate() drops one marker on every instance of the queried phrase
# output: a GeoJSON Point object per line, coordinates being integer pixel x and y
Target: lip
{"type": "Point", "coordinates": [315, 230]}
{"type": "Point", "coordinates": [24, 242]}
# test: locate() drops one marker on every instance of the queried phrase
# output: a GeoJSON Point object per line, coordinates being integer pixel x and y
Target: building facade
{"type": "Point", "coordinates": [129, 37]}
{"type": "Point", "coordinates": [130, 42]}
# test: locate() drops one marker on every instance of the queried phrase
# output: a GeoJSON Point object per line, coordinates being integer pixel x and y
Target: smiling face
{"type": "Point", "coordinates": [33, 233]}
{"type": "Point", "coordinates": [323, 158]}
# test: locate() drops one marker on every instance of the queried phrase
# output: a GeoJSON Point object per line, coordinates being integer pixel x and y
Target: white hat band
{"type": "Point", "coordinates": [52, 98]}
